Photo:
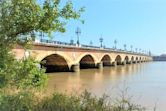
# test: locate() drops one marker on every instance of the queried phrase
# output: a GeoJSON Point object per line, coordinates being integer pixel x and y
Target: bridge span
{"type": "Point", "coordinates": [67, 57]}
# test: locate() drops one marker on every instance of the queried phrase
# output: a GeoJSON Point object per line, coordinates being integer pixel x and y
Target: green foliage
{"type": "Point", "coordinates": [7, 63]}
{"type": "Point", "coordinates": [85, 102]}
{"type": "Point", "coordinates": [59, 102]}
{"type": "Point", "coordinates": [28, 74]}
{"type": "Point", "coordinates": [22, 101]}
{"type": "Point", "coordinates": [23, 74]}
{"type": "Point", "coordinates": [28, 101]}
{"type": "Point", "coordinates": [19, 19]}
{"type": "Point", "coordinates": [22, 17]}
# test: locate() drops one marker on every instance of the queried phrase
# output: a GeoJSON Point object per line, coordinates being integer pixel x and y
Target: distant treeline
{"type": "Point", "coordinates": [159, 58]}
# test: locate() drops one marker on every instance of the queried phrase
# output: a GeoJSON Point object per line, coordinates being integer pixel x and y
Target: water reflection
{"type": "Point", "coordinates": [90, 78]}
{"type": "Point", "coordinates": [146, 80]}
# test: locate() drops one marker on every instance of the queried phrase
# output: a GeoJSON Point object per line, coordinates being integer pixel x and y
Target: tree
{"type": "Point", "coordinates": [19, 20]}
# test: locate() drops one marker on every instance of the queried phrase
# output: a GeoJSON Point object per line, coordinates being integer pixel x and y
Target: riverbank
{"type": "Point", "coordinates": [28, 101]}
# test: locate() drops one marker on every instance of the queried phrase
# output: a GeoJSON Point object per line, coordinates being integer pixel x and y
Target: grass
{"type": "Point", "coordinates": [28, 101]}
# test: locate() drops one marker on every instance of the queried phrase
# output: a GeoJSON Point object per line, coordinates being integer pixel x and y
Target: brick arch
{"type": "Point", "coordinates": [55, 63]}
{"type": "Point", "coordinates": [41, 55]}
{"type": "Point", "coordinates": [140, 58]}
{"type": "Point", "coordinates": [127, 59]}
{"type": "Point", "coordinates": [132, 59]}
{"type": "Point", "coordinates": [105, 54]}
{"type": "Point", "coordinates": [83, 55]}
{"type": "Point", "coordinates": [118, 59]}
{"type": "Point", "coordinates": [136, 58]}
{"type": "Point", "coordinates": [106, 59]}
{"type": "Point", "coordinates": [87, 61]}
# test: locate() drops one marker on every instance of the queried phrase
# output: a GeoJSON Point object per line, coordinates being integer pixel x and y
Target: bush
{"type": "Point", "coordinates": [85, 102]}
{"type": "Point", "coordinates": [22, 74]}
{"type": "Point", "coordinates": [23, 101]}
{"type": "Point", "coordinates": [27, 101]}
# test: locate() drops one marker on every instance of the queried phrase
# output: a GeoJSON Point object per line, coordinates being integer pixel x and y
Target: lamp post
{"type": "Point", "coordinates": [125, 46]}
{"type": "Point", "coordinates": [41, 36]}
{"type": "Point", "coordinates": [71, 41]}
{"type": "Point", "coordinates": [101, 41]}
{"type": "Point", "coordinates": [115, 43]}
{"type": "Point", "coordinates": [136, 49]}
{"type": "Point", "coordinates": [150, 53]}
{"type": "Point", "coordinates": [131, 48]}
{"type": "Point", "coordinates": [91, 43]}
{"type": "Point", "coordinates": [139, 50]}
{"type": "Point", "coordinates": [78, 33]}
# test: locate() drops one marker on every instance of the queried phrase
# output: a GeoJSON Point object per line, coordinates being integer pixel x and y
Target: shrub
{"type": "Point", "coordinates": [85, 102]}
{"type": "Point", "coordinates": [23, 101]}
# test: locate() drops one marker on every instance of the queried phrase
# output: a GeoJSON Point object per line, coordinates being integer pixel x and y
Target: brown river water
{"type": "Point", "coordinates": [146, 82]}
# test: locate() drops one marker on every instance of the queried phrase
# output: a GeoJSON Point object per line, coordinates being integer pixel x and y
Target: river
{"type": "Point", "coordinates": [146, 82]}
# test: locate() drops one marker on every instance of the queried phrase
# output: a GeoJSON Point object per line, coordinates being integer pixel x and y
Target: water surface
{"type": "Point", "coordinates": [146, 82]}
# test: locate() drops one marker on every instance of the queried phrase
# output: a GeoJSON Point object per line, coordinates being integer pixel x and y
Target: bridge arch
{"type": "Point", "coordinates": [132, 59]}
{"type": "Point", "coordinates": [118, 60]}
{"type": "Point", "coordinates": [136, 58]}
{"type": "Point", "coordinates": [77, 60]}
{"type": "Point", "coordinates": [55, 63]}
{"type": "Point", "coordinates": [106, 59]}
{"type": "Point", "coordinates": [127, 60]}
{"type": "Point", "coordinates": [87, 61]}
{"type": "Point", "coordinates": [140, 59]}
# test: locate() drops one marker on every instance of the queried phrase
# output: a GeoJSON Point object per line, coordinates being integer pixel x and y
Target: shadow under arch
{"type": "Point", "coordinates": [118, 60]}
{"type": "Point", "coordinates": [106, 59]}
{"type": "Point", "coordinates": [132, 59]}
{"type": "Point", "coordinates": [86, 62]}
{"type": "Point", "coordinates": [55, 63]}
{"type": "Point", "coordinates": [140, 59]}
{"type": "Point", "coordinates": [136, 58]}
{"type": "Point", "coordinates": [127, 59]}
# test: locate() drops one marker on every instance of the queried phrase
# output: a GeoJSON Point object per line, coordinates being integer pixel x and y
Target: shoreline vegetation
{"type": "Point", "coordinates": [86, 101]}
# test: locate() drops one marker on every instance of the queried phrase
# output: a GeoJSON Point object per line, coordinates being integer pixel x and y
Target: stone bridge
{"type": "Point", "coordinates": [73, 58]}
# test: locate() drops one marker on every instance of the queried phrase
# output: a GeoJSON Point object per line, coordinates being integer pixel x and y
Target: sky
{"type": "Point", "coordinates": [141, 23]}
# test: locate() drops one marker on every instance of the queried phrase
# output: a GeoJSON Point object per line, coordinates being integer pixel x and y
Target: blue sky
{"type": "Point", "coordinates": [141, 23]}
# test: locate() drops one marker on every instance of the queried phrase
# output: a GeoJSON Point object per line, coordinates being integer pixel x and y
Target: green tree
{"type": "Point", "coordinates": [19, 19]}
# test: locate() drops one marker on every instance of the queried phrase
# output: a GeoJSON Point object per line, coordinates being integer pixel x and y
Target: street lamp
{"type": "Point", "coordinates": [78, 33]}
{"type": "Point", "coordinates": [91, 43]}
{"type": "Point", "coordinates": [131, 48]}
{"type": "Point", "coordinates": [71, 41]}
{"type": "Point", "coordinates": [41, 36]}
{"type": "Point", "coordinates": [150, 53]}
{"type": "Point", "coordinates": [136, 49]}
{"type": "Point", "coordinates": [101, 41]}
{"type": "Point", "coordinates": [125, 46]}
{"type": "Point", "coordinates": [115, 42]}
